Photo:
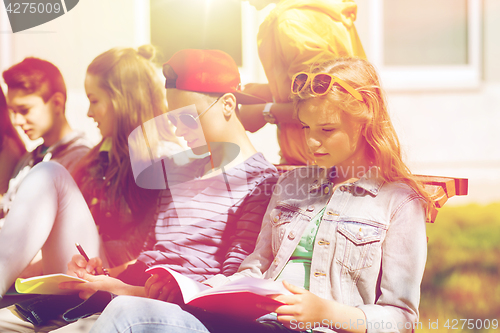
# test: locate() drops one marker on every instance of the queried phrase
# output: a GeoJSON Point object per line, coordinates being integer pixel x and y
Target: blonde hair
{"type": "Point", "coordinates": [383, 146]}
{"type": "Point", "coordinates": [137, 95]}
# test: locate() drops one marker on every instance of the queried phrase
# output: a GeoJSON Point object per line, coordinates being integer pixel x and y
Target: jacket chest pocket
{"type": "Point", "coordinates": [357, 243]}
{"type": "Point", "coordinates": [282, 219]}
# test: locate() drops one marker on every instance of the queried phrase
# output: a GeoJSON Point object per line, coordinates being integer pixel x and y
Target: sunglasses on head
{"type": "Point", "coordinates": [321, 83]}
{"type": "Point", "coordinates": [187, 119]}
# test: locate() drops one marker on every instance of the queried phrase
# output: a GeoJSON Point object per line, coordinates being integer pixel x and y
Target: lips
{"type": "Point", "coordinates": [320, 154]}
{"type": "Point", "coordinates": [190, 142]}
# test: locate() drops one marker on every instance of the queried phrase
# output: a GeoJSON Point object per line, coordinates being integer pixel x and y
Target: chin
{"type": "Point", "coordinates": [199, 150]}
{"type": "Point", "coordinates": [324, 164]}
{"type": "Point", "coordinates": [33, 136]}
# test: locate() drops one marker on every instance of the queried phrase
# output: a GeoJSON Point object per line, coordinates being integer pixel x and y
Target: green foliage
{"type": "Point", "coordinates": [462, 275]}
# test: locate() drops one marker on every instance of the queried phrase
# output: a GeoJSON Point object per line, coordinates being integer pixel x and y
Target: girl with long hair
{"type": "Point", "coordinates": [52, 212]}
{"type": "Point", "coordinates": [346, 237]}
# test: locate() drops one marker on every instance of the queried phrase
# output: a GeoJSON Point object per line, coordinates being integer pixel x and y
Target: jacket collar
{"type": "Point", "coordinates": [370, 181]}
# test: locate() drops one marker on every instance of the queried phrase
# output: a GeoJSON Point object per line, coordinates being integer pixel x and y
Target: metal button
{"type": "Point", "coordinates": [276, 261]}
{"type": "Point", "coordinates": [359, 235]}
{"type": "Point", "coordinates": [343, 188]}
{"type": "Point", "coordinates": [326, 190]}
{"type": "Point", "coordinates": [276, 218]}
{"type": "Point", "coordinates": [310, 208]}
{"type": "Point", "coordinates": [291, 235]}
{"type": "Point", "coordinates": [316, 274]}
{"type": "Point", "coordinates": [322, 242]}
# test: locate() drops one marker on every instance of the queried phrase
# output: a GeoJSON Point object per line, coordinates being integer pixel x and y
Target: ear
{"type": "Point", "coordinates": [228, 104]}
{"type": "Point", "coordinates": [58, 101]}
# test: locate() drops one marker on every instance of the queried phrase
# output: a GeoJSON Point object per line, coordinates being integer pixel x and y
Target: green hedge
{"type": "Point", "coordinates": [462, 275]}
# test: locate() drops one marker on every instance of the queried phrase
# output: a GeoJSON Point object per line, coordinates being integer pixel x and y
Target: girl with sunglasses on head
{"type": "Point", "coordinates": [102, 208]}
{"type": "Point", "coordinates": [347, 235]}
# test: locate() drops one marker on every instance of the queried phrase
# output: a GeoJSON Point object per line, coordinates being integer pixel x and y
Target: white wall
{"type": "Point", "coordinates": [453, 133]}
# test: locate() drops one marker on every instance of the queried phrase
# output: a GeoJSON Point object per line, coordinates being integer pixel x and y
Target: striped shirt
{"type": "Point", "coordinates": [208, 226]}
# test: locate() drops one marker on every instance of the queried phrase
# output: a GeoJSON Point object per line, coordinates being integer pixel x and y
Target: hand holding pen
{"type": "Point", "coordinates": [98, 267]}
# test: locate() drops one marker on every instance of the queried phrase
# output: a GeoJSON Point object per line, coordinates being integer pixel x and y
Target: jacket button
{"type": "Point", "coordinates": [359, 235]}
{"type": "Point", "coordinates": [291, 235]}
{"type": "Point", "coordinates": [276, 261]}
{"type": "Point", "coordinates": [310, 208]}
{"type": "Point", "coordinates": [276, 218]}
{"type": "Point", "coordinates": [326, 190]}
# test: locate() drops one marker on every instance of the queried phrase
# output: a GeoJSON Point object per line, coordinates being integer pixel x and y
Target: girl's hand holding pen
{"type": "Point", "coordinates": [91, 271]}
{"type": "Point", "coordinates": [80, 267]}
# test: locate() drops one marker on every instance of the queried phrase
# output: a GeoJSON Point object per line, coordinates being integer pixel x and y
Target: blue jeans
{"type": "Point", "coordinates": [127, 314]}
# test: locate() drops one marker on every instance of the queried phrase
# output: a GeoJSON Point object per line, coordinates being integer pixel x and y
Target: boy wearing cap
{"type": "Point", "coordinates": [209, 217]}
{"type": "Point", "coordinates": [206, 225]}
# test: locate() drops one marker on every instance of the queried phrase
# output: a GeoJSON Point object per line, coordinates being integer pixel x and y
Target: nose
{"type": "Point", "coordinates": [313, 142]}
{"type": "Point", "coordinates": [18, 119]}
{"type": "Point", "coordinates": [90, 113]}
{"type": "Point", "coordinates": [178, 131]}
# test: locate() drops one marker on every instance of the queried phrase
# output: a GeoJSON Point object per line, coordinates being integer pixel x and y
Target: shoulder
{"type": "Point", "coordinates": [257, 169]}
{"type": "Point", "coordinates": [399, 189]}
{"type": "Point", "coordinates": [399, 196]}
{"type": "Point", "coordinates": [73, 141]}
{"type": "Point", "coordinates": [70, 153]}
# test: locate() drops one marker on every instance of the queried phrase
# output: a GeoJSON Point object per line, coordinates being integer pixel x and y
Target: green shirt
{"type": "Point", "coordinates": [297, 270]}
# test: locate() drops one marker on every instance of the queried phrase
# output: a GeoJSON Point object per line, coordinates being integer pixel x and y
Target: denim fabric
{"type": "Point", "coordinates": [370, 249]}
{"type": "Point", "coordinates": [141, 315]}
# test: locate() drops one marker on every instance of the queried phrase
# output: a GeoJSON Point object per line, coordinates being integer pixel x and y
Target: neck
{"type": "Point", "coordinates": [229, 154]}
{"type": "Point", "coordinates": [353, 168]}
{"type": "Point", "coordinates": [58, 132]}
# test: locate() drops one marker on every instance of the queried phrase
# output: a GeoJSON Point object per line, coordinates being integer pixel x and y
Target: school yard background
{"type": "Point", "coordinates": [448, 131]}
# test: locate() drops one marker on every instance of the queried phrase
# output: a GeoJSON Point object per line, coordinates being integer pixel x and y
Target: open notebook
{"type": "Point", "coordinates": [237, 298]}
{"type": "Point", "coordinates": [46, 284]}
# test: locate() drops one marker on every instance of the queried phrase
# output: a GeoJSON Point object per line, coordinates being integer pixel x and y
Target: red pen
{"type": "Point", "coordinates": [82, 252]}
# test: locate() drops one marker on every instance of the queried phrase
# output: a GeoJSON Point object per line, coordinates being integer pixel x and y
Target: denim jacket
{"type": "Point", "coordinates": [370, 249]}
